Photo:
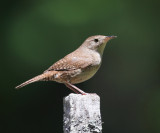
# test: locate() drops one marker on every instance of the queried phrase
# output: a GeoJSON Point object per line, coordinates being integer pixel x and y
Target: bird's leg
{"type": "Point", "coordinates": [70, 87]}
{"type": "Point", "coordinates": [74, 88]}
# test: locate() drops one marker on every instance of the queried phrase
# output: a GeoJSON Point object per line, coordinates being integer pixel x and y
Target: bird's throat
{"type": "Point", "coordinates": [101, 49]}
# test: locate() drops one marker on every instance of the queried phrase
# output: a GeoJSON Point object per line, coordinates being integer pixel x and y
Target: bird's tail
{"type": "Point", "coordinates": [42, 77]}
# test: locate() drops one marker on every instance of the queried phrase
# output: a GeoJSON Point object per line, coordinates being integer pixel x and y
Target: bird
{"type": "Point", "coordinates": [76, 67]}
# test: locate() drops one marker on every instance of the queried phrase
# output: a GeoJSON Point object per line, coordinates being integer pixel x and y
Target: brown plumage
{"type": "Point", "coordinates": [43, 77]}
{"type": "Point", "coordinates": [77, 66]}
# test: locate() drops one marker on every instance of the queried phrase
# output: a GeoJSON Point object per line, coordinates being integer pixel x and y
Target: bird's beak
{"type": "Point", "coordinates": [109, 38]}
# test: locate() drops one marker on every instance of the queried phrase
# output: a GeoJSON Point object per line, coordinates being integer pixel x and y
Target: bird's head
{"type": "Point", "coordinates": [97, 43]}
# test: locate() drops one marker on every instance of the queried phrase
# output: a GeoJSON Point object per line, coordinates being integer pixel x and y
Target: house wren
{"type": "Point", "coordinates": [76, 67]}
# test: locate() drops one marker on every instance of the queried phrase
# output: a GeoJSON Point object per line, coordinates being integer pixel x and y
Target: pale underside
{"type": "Point", "coordinates": [76, 68]}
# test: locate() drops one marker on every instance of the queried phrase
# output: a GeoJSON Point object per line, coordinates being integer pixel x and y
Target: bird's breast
{"type": "Point", "coordinates": [96, 58]}
{"type": "Point", "coordinates": [92, 62]}
{"type": "Point", "coordinates": [85, 74]}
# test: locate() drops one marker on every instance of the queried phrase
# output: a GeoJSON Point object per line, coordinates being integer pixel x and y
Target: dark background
{"type": "Point", "coordinates": [35, 34]}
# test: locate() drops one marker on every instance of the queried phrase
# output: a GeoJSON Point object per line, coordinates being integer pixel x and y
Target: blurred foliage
{"type": "Point", "coordinates": [35, 34]}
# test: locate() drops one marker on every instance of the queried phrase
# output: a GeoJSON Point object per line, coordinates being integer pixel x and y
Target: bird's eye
{"type": "Point", "coordinates": [95, 40]}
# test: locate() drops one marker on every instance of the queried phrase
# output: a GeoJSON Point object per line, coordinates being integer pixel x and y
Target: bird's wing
{"type": "Point", "coordinates": [71, 63]}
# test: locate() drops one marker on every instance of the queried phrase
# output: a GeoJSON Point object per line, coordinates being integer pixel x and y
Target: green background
{"type": "Point", "coordinates": [35, 34]}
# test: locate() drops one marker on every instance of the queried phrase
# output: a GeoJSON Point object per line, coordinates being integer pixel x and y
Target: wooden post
{"type": "Point", "coordinates": [82, 114]}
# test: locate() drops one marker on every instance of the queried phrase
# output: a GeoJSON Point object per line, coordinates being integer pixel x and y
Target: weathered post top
{"type": "Point", "coordinates": [82, 114]}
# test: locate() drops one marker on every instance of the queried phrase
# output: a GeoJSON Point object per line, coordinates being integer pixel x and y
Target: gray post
{"type": "Point", "coordinates": [82, 114]}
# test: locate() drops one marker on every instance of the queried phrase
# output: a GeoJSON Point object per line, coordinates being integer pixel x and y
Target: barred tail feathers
{"type": "Point", "coordinates": [42, 77]}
